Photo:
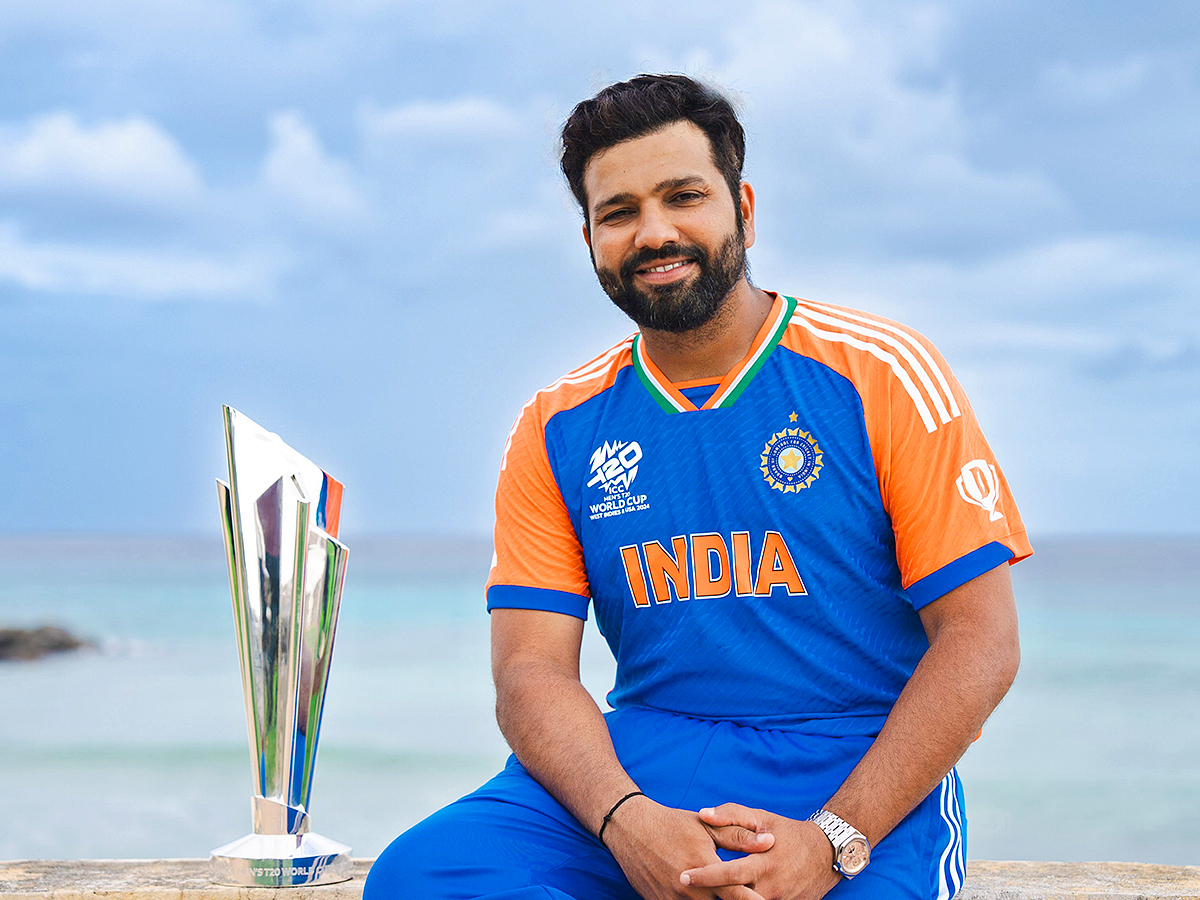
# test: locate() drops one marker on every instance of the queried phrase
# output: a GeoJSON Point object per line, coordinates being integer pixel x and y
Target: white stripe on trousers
{"type": "Point", "coordinates": [951, 870]}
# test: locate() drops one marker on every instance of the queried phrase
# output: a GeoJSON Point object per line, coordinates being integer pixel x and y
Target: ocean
{"type": "Point", "coordinates": [137, 748]}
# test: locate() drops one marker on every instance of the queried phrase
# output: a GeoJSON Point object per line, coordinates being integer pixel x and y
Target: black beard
{"type": "Point", "coordinates": [684, 305]}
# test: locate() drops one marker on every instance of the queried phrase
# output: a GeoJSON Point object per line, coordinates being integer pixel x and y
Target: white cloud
{"type": "Point", "coordinates": [855, 107]}
{"type": "Point", "coordinates": [298, 170]}
{"type": "Point", "coordinates": [464, 118]}
{"type": "Point", "coordinates": [518, 227]}
{"type": "Point", "coordinates": [1097, 348]}
{"type": "Point", "coordinates": [134, 274]}
{"type": "Point", "coordinates": [1082, 302]}
{"type": "Point", "coordinates": [1094, 85]}
{"type": "Point", "coordinates": [132, 159]}
{"type": "Point", "coordinates": [1097, 266]}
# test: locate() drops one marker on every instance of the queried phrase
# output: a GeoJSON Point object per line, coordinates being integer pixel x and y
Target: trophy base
{"type": "Point", "coordinates": [280, 860]}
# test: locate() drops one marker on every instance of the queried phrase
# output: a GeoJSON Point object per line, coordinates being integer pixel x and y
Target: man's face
{"type": "Point", "coordinates": [667, 241]}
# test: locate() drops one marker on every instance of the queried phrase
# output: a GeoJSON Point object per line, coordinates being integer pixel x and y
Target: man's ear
{"type": "Point", "coordinates": [746, 201]}
{"type": "Point", "coordinates": [587, 237]}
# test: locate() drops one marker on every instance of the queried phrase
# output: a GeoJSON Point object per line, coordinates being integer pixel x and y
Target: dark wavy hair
{"type": "Point", "coordinates": [641, 106]}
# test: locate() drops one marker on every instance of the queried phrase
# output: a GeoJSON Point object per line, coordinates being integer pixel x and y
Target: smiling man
{"type": "Point", "coordinates": [795, 540]}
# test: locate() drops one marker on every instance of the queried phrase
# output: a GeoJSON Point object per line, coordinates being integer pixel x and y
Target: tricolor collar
{"type": "Point", "coordinates": [735, 381]}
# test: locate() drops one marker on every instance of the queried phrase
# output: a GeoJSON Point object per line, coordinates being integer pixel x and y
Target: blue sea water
{"type": "Point", "coordinates": [138, 748]}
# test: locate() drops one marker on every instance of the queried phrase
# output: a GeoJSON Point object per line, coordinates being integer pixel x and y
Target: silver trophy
{"type": "Point", "coordinates": [286, 568]}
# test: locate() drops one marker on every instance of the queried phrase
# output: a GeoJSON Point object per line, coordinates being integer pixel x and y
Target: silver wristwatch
{"type": "Point", "coordinates": [851, 849]}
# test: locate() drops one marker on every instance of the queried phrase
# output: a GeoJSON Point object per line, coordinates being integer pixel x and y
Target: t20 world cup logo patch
{"type": "Point", "coordinates": [614, 465]}
{"type": "Point", "coordinates": [791, 460]}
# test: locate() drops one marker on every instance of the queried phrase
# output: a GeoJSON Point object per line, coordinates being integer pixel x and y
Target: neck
{"type": "Point", "coordinates": [714, 348]}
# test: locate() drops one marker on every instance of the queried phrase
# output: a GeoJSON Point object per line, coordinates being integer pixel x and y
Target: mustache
{"type": "Point", "coordinates": [653, 254]}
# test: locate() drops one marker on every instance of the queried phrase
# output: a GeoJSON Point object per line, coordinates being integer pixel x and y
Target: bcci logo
{"type": "Point", "coordinates": [791, 460]}
{"type": "Point", "coordinates": [614, 465]}
{"type": "Point", "coordinates": [979, 486]}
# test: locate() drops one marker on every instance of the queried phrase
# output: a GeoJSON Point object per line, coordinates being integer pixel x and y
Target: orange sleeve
{"type": "Point", "coordinates": [538, 562]}
{"type": "Point", "coordinates": [952, 512]}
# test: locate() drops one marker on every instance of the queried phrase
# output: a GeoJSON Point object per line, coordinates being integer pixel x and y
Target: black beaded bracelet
{"type": "Point", "coordinates": [615, 807]}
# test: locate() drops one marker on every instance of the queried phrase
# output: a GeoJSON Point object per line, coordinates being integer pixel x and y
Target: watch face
{"type": "Point", "coordinates": [854, 857]}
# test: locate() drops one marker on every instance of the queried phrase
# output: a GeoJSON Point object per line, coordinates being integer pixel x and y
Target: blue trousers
{"type": "Point", "coordinates": [511, 840]}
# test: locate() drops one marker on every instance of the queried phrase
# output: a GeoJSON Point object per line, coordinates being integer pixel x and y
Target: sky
{"type": "Point", "coordinates": [346, 220]}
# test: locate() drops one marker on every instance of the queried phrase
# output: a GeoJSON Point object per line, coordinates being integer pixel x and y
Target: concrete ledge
{"type": "Point", "coordinates": [187, 879]}
{"type": "Point", "coordinates": [148, 879]}
{"type": "Point", "coordinates": [1076, 881]}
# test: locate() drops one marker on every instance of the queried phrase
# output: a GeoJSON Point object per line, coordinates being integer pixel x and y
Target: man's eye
{"type": "Point", "coordinates": [688, 197]}
{"type": "Point", "coordinates": [616, 215]}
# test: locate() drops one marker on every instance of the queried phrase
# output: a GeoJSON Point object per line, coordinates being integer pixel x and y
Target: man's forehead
{"type": "Point", "coordinates": [678, 151]}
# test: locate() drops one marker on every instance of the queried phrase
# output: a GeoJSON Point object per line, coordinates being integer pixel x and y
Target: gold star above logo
{"type": "Point", "coordinates": [792, 417]}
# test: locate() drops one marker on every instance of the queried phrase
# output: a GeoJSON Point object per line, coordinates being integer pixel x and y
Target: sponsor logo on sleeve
{"type": "Point", "coordinates": [614, 466]}
{"type": "Point", "coordinates": [979, 486]}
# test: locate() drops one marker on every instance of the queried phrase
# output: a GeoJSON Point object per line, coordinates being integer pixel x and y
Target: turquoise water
{"type": "Point", "coordinates": [138, 749]}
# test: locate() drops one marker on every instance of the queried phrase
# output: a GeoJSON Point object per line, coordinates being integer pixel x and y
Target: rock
{"type": "Point", "coordinates": [34, 643]}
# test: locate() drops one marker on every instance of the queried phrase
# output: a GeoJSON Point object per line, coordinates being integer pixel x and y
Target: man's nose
{"type": "Point", "coordinates": [655, 227]}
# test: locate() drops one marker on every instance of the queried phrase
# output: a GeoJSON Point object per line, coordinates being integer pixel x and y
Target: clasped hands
{"type": "Point", "coordinates": [669, 854]}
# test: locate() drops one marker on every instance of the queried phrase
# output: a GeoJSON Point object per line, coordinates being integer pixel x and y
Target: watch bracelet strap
{"type": "Point", "coordinates": [837, 829]}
